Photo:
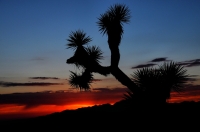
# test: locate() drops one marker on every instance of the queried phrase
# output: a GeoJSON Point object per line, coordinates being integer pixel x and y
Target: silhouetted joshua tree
{"type": "Point", "coordinates": [158, 83]}
{"type": "Point", "coordinates": [111, 24]}
{"type": "Point", "coordinates": [88, 57]}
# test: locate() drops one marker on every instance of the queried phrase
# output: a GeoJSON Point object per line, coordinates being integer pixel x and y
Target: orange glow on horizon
{"type": "Point", "coordinates": [11, 111]}
{"type": "Point", "coordinates": [14, 111]}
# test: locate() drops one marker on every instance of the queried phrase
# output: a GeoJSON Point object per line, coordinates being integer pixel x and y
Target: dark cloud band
{"type": "Point", "coordinates": [143, 65]}
{"type": "Point", "coordinates": [96, 80]}
{"type": "Point", "coordinates": [159, 59]}
{"type": "Point", "coordinates": [43, 78]}
{"type": "Point", "coordinates": [63, 97]}
{"type": "Point", "coordinates": [190, 63]}
{"type": "Point", "coordinates": [13, 84]}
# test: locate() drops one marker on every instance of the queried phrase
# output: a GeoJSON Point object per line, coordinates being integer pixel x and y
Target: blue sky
{"type": "Point", "coordinates": [33, 36]}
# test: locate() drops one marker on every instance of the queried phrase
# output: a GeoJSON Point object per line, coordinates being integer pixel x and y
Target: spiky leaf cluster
{"type": "Point", "coordinates": [173, 75]}
{"type": "Point", "coordinates": [169, 76]}
{"type": "Point", "coordinates": [147, 78]}
{"type": "Point", "coordinates": [120, 13]}
{"type": "Point", "coordinates": [78, 38]}
{"type": "Point", "coordinates": [95, 53]}
{"type": "Point", "coordinates": [81, 81]}
{"type": "Point", "coordinates": [128, 95]}
{"type": "Point", "coordinates": [115, 16]}
{"type": "Point", "coordinates": [104, 22]}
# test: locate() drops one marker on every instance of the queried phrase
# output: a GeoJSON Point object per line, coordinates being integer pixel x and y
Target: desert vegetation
{"type": "Point", "coordinates": [144, 104]}
{"type": "Point", "coordinates": [147, 85]}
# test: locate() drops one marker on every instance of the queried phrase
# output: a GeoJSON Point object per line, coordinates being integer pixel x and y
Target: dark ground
{"type": "Point", "coordinates": [172, 117]}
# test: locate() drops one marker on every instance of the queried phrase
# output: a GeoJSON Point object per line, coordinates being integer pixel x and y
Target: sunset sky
{"type": "Point", "coordinates": [33, 70]}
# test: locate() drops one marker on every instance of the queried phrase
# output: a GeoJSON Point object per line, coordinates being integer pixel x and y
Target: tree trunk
{"type": "Point", "coordinates": [124, 79]}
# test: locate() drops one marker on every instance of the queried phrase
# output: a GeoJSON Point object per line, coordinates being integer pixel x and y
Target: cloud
{"type": "Point", "coordinates": [143, 65]}
{"type": "Point", "coordinates": [194, 75]}
{"type": "Point", "coordinates": [96, 96]}
{"type": "Point", "coordinates": [103, 95]}
{"type": "Point", "coordinates": [13, 84]}
{"type": "Point", "coordinates": [190, 63]}
{"type": "Point", "coordinates": [159, 59]}
{"type": "Point", "coordinates": [96, 80]}
{"type": "Point", "coordinates": [150, 64]}
{"type": "Point", "coordinates": [101, 89]}
{"type": "Point", "coordinates": [193, 78]}
{"type": "Point", "coordinates": [189, 93]}
{"type": "Point", "coordinates": [43, 78]}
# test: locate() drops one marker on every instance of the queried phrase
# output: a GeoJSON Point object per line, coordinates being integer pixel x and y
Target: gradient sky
{"type": "Point", "coordinates": [33, 50]}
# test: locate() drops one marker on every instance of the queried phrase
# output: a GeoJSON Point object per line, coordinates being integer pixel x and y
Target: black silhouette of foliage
{"type": "Point", "coordinates": [158, 83]}
{"type": "Point", "coordinates": [147, 77]}
{"type": "Point", "coordinates": [77, 38]}
{"type": "Point", "coordinates": [173, 75]}
{"type": "Point", "coordinates": [120, 13]}
{"type": "Point", "coordinates": [128, 95]}
{"type": "Point", "coordinates": [84, 57]}
{"type": "Point", "coordinates": [81, 81]}
{"type": "Point", "coordinates": [94, 53]}
{"type": "Point", "coordinates": [104, 22]}
{"type": "Point", "coordinates": [81, 57]}
{"type": "Point", "coordinates": [146, 84]}
{"type": "Point", "coordinates": [116, 15]}
{"type": "Point", "coordinates": [111, 23]}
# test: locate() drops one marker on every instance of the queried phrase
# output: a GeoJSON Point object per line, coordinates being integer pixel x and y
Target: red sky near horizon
{"type": "Point", "coordinates": [23, 105]}
{"type": "Point", "coordinates": [33, 51]}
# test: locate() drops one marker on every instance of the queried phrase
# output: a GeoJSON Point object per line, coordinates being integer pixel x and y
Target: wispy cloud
{"type": "Point", "coordinates": [193, 78]}
{"type": "Point", "coordinates": [96, 80]}
{"type": "Point", "coordinates": [14, 84]}
{"type": "Point", "coordinates": [159, 59]}
{"type": "Point", "coordinates": [43, 78]}
{"type": "Point", "coordinates": [190, 63]}
{"type": "Point", "coordinates": [151, 62]}
{"type": "Point", "coordinates": [143, 65]}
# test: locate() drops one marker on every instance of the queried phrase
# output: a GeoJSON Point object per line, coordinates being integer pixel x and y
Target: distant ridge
{"type": "Point", "coordinates": [119, 113]}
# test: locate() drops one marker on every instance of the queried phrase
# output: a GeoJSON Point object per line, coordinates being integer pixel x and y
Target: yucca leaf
{"type": "Point", "coordinates": [113, 19]}
{"type": "Point", "coordinates": [81, 81]}
{"type": "Point", "coordinates": [95, 53]}
{"type": "Point", "coordinates": [120, 12]}
{"type": "Point", "coordinates": [77, 38]}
